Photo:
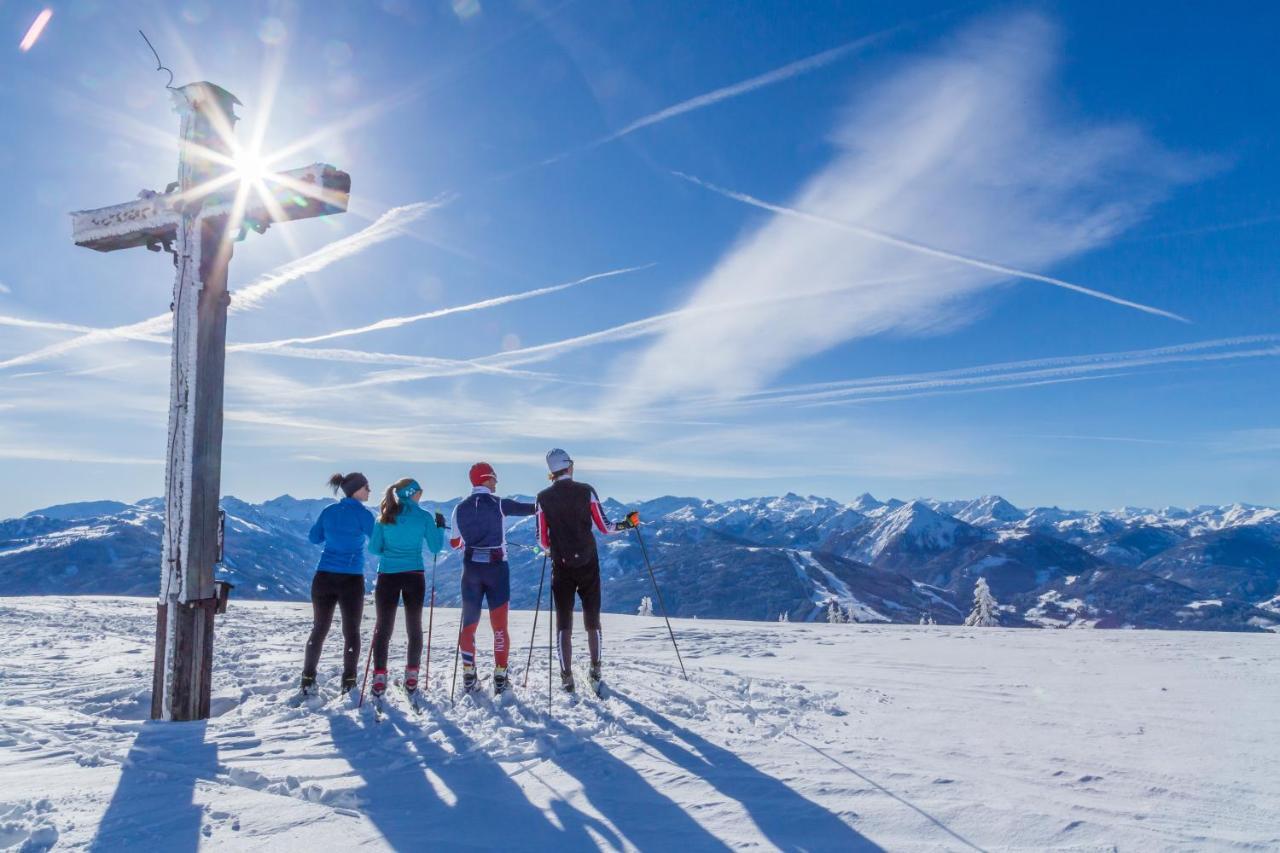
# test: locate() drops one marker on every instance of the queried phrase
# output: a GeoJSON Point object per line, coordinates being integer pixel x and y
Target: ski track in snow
{"type": "Point", "coordinates": [789, 736]}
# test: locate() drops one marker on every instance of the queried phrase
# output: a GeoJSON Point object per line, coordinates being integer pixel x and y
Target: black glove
{"type": "Point", "coordinates": [440, 522]}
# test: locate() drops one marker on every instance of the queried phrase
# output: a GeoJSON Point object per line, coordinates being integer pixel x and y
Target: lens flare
{"type": "Point", "coordinates": [37, 27]}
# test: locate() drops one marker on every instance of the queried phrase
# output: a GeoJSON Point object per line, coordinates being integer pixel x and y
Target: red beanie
{"type": "Point", "coordinates": [480, 472]}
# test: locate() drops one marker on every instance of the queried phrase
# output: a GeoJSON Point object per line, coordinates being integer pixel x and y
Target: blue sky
{"type": "Point", "coordinates": [906, 248]}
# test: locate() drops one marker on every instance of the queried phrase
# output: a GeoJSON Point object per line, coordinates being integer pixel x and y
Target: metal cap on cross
{"type": "Point", "coordinates": [197, 219]}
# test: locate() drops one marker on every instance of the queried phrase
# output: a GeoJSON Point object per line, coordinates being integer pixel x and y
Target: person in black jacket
{"type": "Point", "coordinates": [567, 511]}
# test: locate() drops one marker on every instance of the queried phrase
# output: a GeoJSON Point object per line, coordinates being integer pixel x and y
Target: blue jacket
{"type": "Point", "coordinates": [399, 545]}
{"type": "Point", "coordinates": [342, 529]}
{"type": "Point", "coordinates": [478, 525]}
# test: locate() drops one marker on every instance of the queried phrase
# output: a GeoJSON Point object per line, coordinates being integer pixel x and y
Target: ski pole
{"type": "Point", "coordinates": [537, 605]}
{"type": "Point", "coordinates": [431, 617]}
{"type": "Point", "coordinates": [457, 650]}
{"type": "Point", "coordinates": [367, 658]}
{"type": "Point", "coordinates": [661, 603]}
{"type": "Point", "coordinates": [550, 657]}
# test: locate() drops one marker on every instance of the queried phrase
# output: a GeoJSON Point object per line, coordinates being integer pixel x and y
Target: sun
{"type": "Point", "coordinates": [250, 165]}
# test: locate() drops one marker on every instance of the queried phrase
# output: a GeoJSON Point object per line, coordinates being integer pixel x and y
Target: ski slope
{"type": "Point", "coordinates": [788, 736]}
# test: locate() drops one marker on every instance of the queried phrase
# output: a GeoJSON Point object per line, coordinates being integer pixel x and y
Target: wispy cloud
{"type": "Point", "coordinates": [961, 150]}
{"type": "Point", "coordinates": [396, 322]}
{"type": "Point", "coordinates": [385, 227]}
{"type": "Point", "coordinates": [4, 288]}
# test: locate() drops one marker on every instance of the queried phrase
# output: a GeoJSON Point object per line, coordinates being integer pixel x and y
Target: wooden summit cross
{"type": "Point", "coordinates": [197, 219]}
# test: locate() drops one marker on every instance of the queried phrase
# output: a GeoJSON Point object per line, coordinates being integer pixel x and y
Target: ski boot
{"type": "Point", "coordinates": [499, 680]}
{"type": "Point", "coordinates": [379, 682]}
{"type": "Point", "coordinates": [596, 678]}
{"type": "Point", "coordinates": [410, 679]}
{"type": "Point", "coordinates": [469, 679]}
{"type": "Point", "coordinates": [566, 681]}
{"type": "Point", "coordinates": [308, 687]}
{"type": "Point", "coordinates": [348, 683]}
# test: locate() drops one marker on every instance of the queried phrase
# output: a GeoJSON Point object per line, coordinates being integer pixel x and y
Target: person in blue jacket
{"type": "Point", "coordinates": [403, 528]}
{"type": "Point", "coordinates": [339, 580]}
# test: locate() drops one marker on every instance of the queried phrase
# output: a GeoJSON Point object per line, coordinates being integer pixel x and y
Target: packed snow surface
{"type": "Point", "coordinates": [787, 736]}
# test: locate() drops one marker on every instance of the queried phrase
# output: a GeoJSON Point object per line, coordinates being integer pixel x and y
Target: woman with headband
{"type": "Point", "coordinates": [402, 529]}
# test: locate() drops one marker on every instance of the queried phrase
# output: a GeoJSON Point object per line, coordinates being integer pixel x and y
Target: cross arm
{"type": "Point", "coordinates": [151, 221]}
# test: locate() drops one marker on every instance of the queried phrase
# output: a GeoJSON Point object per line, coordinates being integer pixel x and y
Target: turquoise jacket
{"type": "Point", "coordinates": [398, 546]}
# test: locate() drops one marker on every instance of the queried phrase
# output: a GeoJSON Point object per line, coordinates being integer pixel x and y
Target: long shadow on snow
{"type": "Point", "coordinates": [491, 810]}
{"type": "Point", "coordinates": [154, 799]}
{"type": "Point", "coordinates": [788, 819]}
{"type": "Point", "coordinates": [647, 818]}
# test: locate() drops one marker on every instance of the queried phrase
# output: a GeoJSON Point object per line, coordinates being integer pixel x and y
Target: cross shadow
{"type": "Point", "coordinates": [488, 809]}
{"type": "Point", "coordinates": [154, 799]}
{"type": "Point", "coordinates": [788, 819]}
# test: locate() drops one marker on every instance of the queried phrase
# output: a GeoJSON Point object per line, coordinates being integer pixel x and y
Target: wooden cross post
{"type": "Point", "coordinates": [198, 219]}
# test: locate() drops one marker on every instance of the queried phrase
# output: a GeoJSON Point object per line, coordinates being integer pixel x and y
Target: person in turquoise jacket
{"type": "Point", "coordinates": [339, 579]}
{"type": "Point", "coordinates": [403, 528]}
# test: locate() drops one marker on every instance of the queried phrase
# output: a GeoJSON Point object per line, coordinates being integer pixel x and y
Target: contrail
{"type": "Point", "coordinates": [724, 93]}
{"type": "Point", "coordinates": [395, 322]}
{"type": "Point", "coordinates": [386, 226]}
{"type": "Point", "coordinates": [921, 248]}
{"type": "Point", "coordinates": [1017, 374]}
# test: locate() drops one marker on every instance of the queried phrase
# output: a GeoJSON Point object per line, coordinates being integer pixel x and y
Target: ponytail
{"type": "Point", "coordinates": [348, 484]}
{"type": "Point", "coordinates": [392, 506]}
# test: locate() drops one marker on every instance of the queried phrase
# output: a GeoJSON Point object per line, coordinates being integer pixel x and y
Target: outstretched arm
{"type": "Point", "coordinates": [513, 507]}
{"type": "Point", "coordinates": [603, 524]}
{"type": "Point", "coordinates": [433, 535]}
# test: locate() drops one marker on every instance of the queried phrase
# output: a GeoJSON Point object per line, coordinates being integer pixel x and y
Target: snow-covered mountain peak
{"type": "Point", "coordinates": [865, 502]}
{"type": "Point", "coordinates": [990, 511]}
{"type": "Point", "coordinates": [916, 527]}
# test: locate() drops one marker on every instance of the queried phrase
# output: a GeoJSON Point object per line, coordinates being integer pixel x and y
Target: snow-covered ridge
{"type": "Point", "coordinates": [739, 558]}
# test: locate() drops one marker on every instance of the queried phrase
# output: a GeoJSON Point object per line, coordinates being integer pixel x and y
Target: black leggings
{"type": "Point", "coordinates": [345, 591]}
{"type": "Point", "coordinates": [585, 583]}
{"type": "Point", "coordinates": [387, 593]}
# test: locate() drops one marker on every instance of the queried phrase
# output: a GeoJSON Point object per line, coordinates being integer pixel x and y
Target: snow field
{"type": "Point", "coordinates": [789, 736]}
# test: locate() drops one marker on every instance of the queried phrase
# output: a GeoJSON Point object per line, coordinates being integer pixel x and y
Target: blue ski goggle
{"type": "Point", "coordinates": [406, 491]}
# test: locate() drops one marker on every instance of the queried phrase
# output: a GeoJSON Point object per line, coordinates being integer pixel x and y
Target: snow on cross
{"type": "Point", "coordinates": [197, 219]}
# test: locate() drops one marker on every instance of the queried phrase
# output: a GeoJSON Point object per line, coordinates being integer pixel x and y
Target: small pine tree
{"type": "Point", "coordinates": [985, 607]}
{"type": "Point", "coordinates": [834, 614]}
{"type": "Point", "coordinates": [784, 616]}
{"type": "Point", "coordinates": [646, 606]}
{"type": "Point", "coordinates": [849, 616]}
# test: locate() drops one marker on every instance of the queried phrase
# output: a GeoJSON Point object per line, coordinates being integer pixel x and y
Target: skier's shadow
{"type": "Point", "coordinates": [155, 795]}
{"type": "Point", "coordinates": [646, 817]}
{"type": "Point", "coordinates": [788, 819]}
{"type": "Point", "coordinates": [489, 810]}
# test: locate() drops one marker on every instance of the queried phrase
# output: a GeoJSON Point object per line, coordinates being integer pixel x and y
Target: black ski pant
{"type": "Point", "coordinates": [584, 582]}
{"type": "Point", "coordinates": [346, 592]}
{"type": "Point", "coordinates": [412, 586]}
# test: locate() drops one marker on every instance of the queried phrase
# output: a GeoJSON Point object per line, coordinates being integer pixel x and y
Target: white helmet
{"type": "Point", "coordinates": [558, 460]}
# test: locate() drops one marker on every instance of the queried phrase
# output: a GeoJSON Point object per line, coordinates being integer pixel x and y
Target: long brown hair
{"type": "Point", "coordinates": [391, 507]}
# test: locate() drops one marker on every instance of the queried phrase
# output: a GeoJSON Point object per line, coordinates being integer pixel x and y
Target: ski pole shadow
{"type": "Point", "coordinates": [785, 817]}
{"type": "Point", "coordinates": [647, 818]}
{"type": "Point", "coordinates": [155, 797]}
{"type": "Point", "coordinates": [882, 789]}
{"type": "Point", "coordinates": [483, 808]}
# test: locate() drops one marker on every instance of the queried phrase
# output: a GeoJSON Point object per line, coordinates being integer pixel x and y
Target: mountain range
{"type": "Point", "coordinates": [1210, 567]}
